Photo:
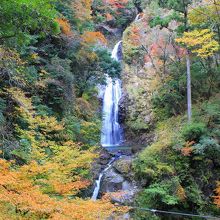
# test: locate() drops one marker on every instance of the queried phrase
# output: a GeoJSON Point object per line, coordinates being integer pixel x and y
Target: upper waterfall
{"type": "Point", "coordinates": [112, 133]}
{"type": "Point", "coordinates": [138, 17]}
{"type": "Point", "coordinates": [115, 51]}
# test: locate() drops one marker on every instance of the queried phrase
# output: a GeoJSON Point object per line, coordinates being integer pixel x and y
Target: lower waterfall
{"type": "Point", "coordinates": [98, 181]}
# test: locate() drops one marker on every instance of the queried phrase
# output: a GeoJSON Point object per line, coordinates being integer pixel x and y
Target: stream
{"type": "Point", "coordinates": [98, 181]}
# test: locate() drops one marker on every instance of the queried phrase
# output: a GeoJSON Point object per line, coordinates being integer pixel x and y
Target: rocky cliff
{"type": "Point", "coordinates": [146, 50]}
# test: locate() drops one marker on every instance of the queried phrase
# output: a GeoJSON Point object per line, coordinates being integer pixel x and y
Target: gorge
{"type": "Point", "coordinates": [94, 122]}
{"type": "Point", "coordinates": [112, 132]}
{"type": "Point", "coordinates": [112, 136]}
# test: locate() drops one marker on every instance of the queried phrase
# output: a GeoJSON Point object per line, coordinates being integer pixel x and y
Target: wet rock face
{"type": "Point", "coordinates": [118, 182]}
{"type": "Point", "coordinates": [122, 109]}
{"type": "Point", "coordinates": [135, 110]}
{"type": "Point", "coordinates": [120, 54]}
{"type": "Point", "coordinates": [112, 181]}
{"type": "Point", "coordinates": [104, 158]}
{"type": "Point", "coordinates": [100, 163]}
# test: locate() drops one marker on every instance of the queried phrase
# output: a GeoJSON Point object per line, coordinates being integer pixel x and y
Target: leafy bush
{"type": "Point", "coordinates": [151, 163]}
{"type": "Point", "coordinates": [193, 131]}
{"type": "Point", "coordinates": [2, 109]}
{"type": "Point", "coordinates": [207, 146]}
{"type": "Point", "coordinates": [168, 101]}
{"type": "Point", "coordinates": [138, 125]}
{"type": "Point", "coordinates": [23, 151]}
{"type": "Point", "coordinates": [164, 22]}
{"type": "Point", "coordinates": [150, 169]}
{"type": "Point", "coordinates": [72, 127]}
{"type": "Point", "coordinates": [195, 195]}
{"type": "Point", "coordinates": [162, 193]}
{"type": "Point", "coordinates": [212, 110]}
{"type": "Point", "coordinates": [90, 132]}
{"type": "Point", "coordinates": [97, 64]}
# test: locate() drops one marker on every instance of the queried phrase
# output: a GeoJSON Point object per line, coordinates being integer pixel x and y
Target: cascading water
{"type": "Point", "coordinates": [112, 133]}
{"type": "Point", "coordinates": [138, 17]}
{"type": "Point", "coordinates": [98, 181]}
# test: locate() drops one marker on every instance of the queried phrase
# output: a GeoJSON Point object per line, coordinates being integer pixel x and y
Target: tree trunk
{"type": "Point", "coordinates": [189, 95]}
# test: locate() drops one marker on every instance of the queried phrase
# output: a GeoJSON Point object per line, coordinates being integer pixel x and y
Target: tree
{"type": "Point", "coordinates": [206, 14]}
{"type": "Point", "coordinates": [97, 64]}
{"type": "Point", "coordinates": [25, 21]}
{"type": "Point", "coordinates": [65, 26]}
{"type": "Point", "coordinates": [111, 14]}
{"type": "Point", "coordinates": [21, 198]}
{"type": "Point", "coordinates": [137, 4]}
{"type": "Point", "coordinates": [82, 12]}
{"type": "Point", "coordinates": [182, 7]}
{"type": "Point", "coordinates": [201, 42]}
{"type": "Point", "coordinates": [90, 38]}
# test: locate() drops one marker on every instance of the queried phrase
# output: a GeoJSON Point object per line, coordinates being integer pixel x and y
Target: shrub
{"type": "Point", "coordinates": [138, 125]}
{"type": "Point", "coordinates": [193, 131]}
{"type": "Point", "coordinates": [207, 146]}
{"type": "Point", "coordinates": [212, 111]}
{"type": "Point", "coordinates": [2, 109]}
{"type": "Point", "coordinates": [162, 194]}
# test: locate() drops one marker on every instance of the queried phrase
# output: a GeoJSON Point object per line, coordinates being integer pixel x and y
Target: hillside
{"type": "Point", "coordinates": [56, 68]}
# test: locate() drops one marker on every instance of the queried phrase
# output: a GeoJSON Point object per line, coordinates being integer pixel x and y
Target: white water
{"type": "Point", "coordinates": [98, 181]}
{"type": "Point", "coordinates": [112, 134]}
{"type": "Point", "coordinates": [138, 17]}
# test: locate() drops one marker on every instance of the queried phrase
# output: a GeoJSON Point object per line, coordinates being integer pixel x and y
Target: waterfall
{"type": "Point", "coordinates": [112, 133]}
{"type": "Point", "coordinates": [138, 17]}
{"type": "Point", "coordinates": [98, 181]}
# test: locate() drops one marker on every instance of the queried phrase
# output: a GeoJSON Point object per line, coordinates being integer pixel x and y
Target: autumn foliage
{"type": "Point", "coordinates": [18, 189]}
{"type": "Point", "coordinates": [49, 135]}
{"type": "Point", "coordinates": [54, 55]}
{"type": "Point", "coordinates": [91, 38]}
{"type": "Point", "coordinates": [202, 42]}
{"type": "Point", "coordinates": [82, 9]}
{"type": "Point", "coordinates": [117, 4]}
{"type": "Point", "coordinates": [217, 197]}
{"type": "Point", "coordinates": [65, 26]}
{"type": "Point", "coordinates": [187, 149]}
{"type": "Point", "coordinates": [52, 170]}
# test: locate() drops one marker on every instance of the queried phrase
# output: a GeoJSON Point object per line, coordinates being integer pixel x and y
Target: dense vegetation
{"type": "Point", "coordinates": [53, 55]}
{"type": "Point", "coordinates": [51, 60]}
{"type": "Point", "coordinates": [179, 170]}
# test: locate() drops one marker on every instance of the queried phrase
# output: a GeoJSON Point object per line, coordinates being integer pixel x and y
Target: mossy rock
{"type": "Point", "coordinates": [124, 165]}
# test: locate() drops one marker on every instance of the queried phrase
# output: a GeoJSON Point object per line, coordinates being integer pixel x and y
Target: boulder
{"type": "Point", "coordinates": [123, 166]}
{"type": "Point", "coordinates": [112, 181]}
{"type": "Point", "coordinates": [118, 182]}
{"type": "Point", "coordinates": [126, 195]}
{"type": "Point", "coordinates": [105, 157]}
